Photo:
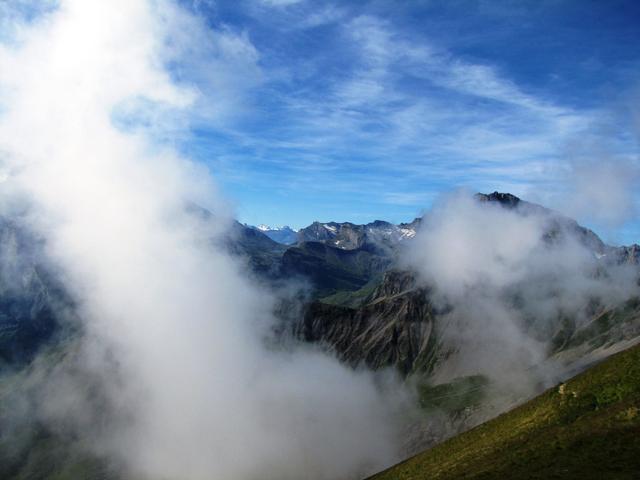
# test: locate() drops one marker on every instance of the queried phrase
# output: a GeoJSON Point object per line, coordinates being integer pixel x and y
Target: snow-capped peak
{"type": "Point", "coordinates": [266, 228]}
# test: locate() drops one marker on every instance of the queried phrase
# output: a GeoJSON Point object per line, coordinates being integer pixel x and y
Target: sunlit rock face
{"type": "Point", "coordinates": [348, 236]}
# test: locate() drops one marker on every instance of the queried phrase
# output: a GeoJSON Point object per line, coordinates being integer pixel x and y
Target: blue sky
{"type": "Point", "coordinates": [363, 110]}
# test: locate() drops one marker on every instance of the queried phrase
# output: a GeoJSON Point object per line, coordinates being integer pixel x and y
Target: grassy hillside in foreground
{"type": "Point", "coordinates": [586, 428]}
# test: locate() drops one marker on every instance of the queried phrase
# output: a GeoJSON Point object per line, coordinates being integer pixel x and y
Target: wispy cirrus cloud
{"type": "Point", "coordinates": [372, 110]}
{"type": "Point", "coordinates": [357, 102]}
{"type": "Point", "coordinates": [280, 3]}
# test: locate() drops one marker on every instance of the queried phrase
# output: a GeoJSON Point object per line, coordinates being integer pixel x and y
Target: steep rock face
{"type": "Point", "coordinates": [626, 254]}
{"type": "Point", "coordinates": [319, 232]}
{"type": "Point", "coordinates": [395, 328]}
{"type": "Point", "coordinates": [398, 326]}
{"type": "Point", "coordinates": [395, 282]}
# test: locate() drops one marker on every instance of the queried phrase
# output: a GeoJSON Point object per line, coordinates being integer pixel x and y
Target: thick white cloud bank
{"type": "Point", "coordinates": [509, 278]}
{"type": "Point", "coordinates": [174, 328]}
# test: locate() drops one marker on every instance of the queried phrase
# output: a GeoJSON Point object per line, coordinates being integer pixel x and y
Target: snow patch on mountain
{"type": "Point", "coordinates": [285, 234]}
{"type": "Point", "coordinates": [407, 232]}
{"type": "Point", "coordinates": [267, 228]}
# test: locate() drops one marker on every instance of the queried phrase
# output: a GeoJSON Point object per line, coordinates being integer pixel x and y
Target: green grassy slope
{"type": "Point", "coordinates": [587, 428]}
{"type": "Point", "coordinates": [353, 299]}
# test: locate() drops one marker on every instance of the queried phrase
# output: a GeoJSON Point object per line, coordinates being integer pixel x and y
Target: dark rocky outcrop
{"type": "Point", "coordinates": [394, 328]}
{"type": "Point", "coordinates": [507, 200]}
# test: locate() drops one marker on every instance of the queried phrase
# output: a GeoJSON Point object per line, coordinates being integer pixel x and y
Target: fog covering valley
{"type": "Point", "coordinates": [146, 334]}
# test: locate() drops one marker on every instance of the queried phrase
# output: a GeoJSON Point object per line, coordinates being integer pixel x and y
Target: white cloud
{"type": "Point", "coordinates": [507, 285]}
{"type": "Point", "coordinates": [432, 129]}
{"type": "Point", "coordinates": [281, 3]}
{"type": "Point", "coordinates": [603, 190]}
{"type": "Point", "coordinates": [194, 392]}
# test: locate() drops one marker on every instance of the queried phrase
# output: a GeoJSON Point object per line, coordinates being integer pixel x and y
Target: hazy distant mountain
{"type": "Point", "coordinates": [285, 234]}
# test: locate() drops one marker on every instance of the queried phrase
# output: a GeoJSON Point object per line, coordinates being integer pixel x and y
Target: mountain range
{"type": "Point", "coordinates": [346, 235]}
{"type": "Point", "coordinates": [353, 297]}
{"type": "Point", "coordinates": [359, 303]}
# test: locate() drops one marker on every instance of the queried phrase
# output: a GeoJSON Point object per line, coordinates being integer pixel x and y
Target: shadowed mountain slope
{"type": "Point", "coordinates": [330, 269]}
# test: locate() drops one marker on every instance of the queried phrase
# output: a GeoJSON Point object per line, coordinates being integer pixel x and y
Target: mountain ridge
{"type": "Point", "coordinates": [586, 427]}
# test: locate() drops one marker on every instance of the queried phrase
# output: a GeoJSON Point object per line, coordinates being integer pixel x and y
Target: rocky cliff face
{"type": "Point", "coordinates": [398, 326]}
{"type": "Point", "coordinates": [394, 327]}
{"type": "Point", "coordinates": [626, 254]}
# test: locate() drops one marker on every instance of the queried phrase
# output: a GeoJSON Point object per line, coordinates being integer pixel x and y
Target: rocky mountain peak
{"type": "Point", "coordinates": [505, 199]}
